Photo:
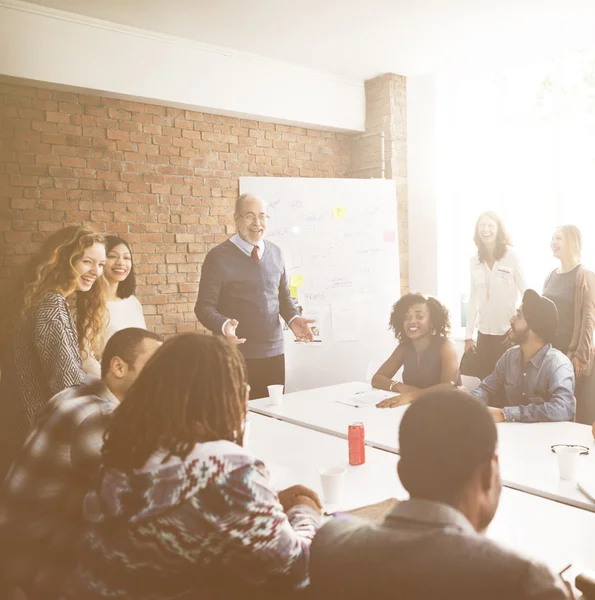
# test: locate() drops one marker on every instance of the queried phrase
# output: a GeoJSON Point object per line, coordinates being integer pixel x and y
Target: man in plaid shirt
{"type": "Point", "coordinates": [41, 524]}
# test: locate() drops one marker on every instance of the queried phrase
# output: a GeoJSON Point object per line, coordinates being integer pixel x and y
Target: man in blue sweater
{"type": "Point", "coordinates": [243, 290]}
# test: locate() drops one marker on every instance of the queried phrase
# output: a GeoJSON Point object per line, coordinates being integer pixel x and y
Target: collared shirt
{"type": "Point", "coordinates": [423, 549]}
{"type": "Point", "coordinates": [540, 390]}
{"type": "Point", "coordinates": [246, 248]}
{"type": "Point", "coordinates": [41, 524]}
{"type": "Point", "coordinates": [420, 514]}
{"type": "Point", "coordinates": [494, 294]}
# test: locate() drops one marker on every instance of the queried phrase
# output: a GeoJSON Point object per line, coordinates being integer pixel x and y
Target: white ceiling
{"type": "Point", "coordinates": [361, 39]}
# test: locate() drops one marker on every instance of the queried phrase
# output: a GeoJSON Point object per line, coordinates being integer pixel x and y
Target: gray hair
{"type": "Point", "coordinates": [240, 203]}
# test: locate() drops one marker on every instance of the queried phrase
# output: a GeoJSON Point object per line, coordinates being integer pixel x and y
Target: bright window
{"type": "Point", "coordinates": [523, 145]}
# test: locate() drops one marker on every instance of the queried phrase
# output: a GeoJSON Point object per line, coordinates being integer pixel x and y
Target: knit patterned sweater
{"type": "Point", "coordinates": [208, 527]}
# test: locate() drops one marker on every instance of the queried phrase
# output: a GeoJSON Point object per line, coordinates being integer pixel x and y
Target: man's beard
{"type": "Point", "coordinates": [520, 337]}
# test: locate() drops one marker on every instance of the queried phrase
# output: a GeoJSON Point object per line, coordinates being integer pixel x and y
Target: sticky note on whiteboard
{"type": "Point", "coordinates": [296, 281]}
{"type": "Point", "coordinates": [293, 291]}
{"type": "Point", "coordinates": [338, 212]}
{"type": "Point", "coordinates": [389, 236]}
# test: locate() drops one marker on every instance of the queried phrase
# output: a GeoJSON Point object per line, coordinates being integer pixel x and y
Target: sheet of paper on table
{"type": "Point", "coordinates": [369, 398]}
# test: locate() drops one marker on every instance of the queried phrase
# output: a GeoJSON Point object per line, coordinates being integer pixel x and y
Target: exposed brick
{"type": "Point", "coordinates": [165, 179]}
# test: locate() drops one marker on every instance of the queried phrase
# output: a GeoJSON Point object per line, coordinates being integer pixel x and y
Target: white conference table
{"type": "Point", "coordinates": [526, 460]}
{"type": "Point", "coordinates": [555, 533]}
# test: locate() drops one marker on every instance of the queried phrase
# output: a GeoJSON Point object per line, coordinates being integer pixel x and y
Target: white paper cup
{"type": "Point", "coordinates": [568, 462]}
{"type": "Point", "coordinates": [333, 482]}
{"type": "Point", "coordinates": [276, 394]}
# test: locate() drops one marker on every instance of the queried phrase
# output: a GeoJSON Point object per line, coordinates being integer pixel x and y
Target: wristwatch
{"type": "Point", "coordinates": [390, 387]}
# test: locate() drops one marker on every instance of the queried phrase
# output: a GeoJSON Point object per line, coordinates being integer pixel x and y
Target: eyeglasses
{"type": "Point", "coordinates": [252, 218]}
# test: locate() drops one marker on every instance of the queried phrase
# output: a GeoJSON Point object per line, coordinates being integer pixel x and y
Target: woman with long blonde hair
{"type": "Point", "coordinates": [572, 289]}
{"type": "Point", "coordinates": [42, 343]}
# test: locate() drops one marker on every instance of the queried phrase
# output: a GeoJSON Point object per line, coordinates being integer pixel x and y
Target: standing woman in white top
{"type": "Point", "coordinates": [497, 282]}
{"type": "Point", "coordinates": [123, 308]}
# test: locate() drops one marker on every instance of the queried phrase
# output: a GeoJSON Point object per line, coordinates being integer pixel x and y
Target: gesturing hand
{"type": "Point", "coordinates": [301, 329]}
{"type": "Point", "coordinates": [230, 332]}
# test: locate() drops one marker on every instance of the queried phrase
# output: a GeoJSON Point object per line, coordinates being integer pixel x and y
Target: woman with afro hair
{"type": "Point", "coordinates": [428, 357]}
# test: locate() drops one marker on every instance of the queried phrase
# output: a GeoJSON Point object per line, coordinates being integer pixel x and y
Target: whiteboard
{"type": "Point", "coordinates": [340, 243]}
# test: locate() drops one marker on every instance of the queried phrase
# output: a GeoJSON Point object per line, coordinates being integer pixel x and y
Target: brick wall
{"type": "Point", "coordinates": [386, 112]}
{"type": "Point", "coordinates": [165, 179]}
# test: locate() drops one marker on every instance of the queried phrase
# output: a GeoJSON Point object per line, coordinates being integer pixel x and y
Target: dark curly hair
{"type": "Point", "coordinates": [127, 287]}
{"type": "Point", "coordinates": [439, 316]}
{"type": "Point", "coordinates": [502, 238]}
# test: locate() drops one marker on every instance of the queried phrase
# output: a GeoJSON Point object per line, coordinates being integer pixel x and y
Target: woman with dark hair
{"type": "Point", "coordinates": [497, 283]}
{"type": "Point", "coordinates": [429, 359]}
{"type": "Point", "coordinates": [571, 288]}
{"type": "Point", "coordinates": [42, 343]}
{"type": "Point", "coordinates": [181, 510]}
{"type": "Point", "coordinates": [123, 308]}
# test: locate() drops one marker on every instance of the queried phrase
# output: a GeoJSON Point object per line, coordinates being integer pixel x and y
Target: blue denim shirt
{"type": "Point", "coordinates": [539, 390]}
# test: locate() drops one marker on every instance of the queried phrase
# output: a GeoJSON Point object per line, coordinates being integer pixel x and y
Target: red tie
{"type": "Point", "coordinates": [254, 255]}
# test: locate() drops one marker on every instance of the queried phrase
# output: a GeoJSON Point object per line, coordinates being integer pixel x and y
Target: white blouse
{"type": "Point", "coordinates": [494, 294]}
{"type": "Point", "coordinates": [122, 314]}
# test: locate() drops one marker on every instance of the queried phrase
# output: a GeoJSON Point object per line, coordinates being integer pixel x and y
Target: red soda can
{"type": "Point", "coordinates": [357, 448]}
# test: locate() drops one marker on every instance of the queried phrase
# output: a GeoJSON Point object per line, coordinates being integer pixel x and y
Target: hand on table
{"type": "Point", "coordinates": [497, 414]}
{"type": "Point", "coordinates": [395, 401]}
{"type": "Point", "coordinates": [230, 332]}
{"type": "Point", "coordinates": [297, 495]}
{"type": "Point", "coordinates": [301, 329]}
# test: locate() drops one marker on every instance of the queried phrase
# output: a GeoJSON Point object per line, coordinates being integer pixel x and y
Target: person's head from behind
{"type": "Point", "coordinates": [535, 320]}
{"type": "Point", "coordinates": [415, 316]}
{"type": "Point", "coordinates": [251, 218]}
{"type": "Point", "coordinates": [119, 266]}
{"type": "Point", "coordinates": [567, 243]}
{"type": "Point", "coordinates": [490, 232]}
{"type": "Point", "coordinates": [447, 445]}
{"type": "Point", "coordinates": [124, 357]}
{"type": "Point", "coordinates": [194, 389]}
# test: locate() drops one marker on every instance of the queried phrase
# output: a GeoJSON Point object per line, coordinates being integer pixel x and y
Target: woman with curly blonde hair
{"type": "Point", "coordinates": [42, 343]}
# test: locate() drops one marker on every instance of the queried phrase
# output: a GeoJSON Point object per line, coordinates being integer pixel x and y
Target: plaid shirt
{"type": "Point", "coordinates": [41, 524]}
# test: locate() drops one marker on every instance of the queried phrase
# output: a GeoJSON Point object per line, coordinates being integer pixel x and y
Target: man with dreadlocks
{"type": "Point", "coordinates": [182, 510]}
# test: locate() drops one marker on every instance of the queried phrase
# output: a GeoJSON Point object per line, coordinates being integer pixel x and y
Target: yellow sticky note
{"type": "Point", "coordinates": [296, 281]}
{"type": "Point", "coordinates": [338, 212]}
{"type": "Point", "coordinates": [293, 291]}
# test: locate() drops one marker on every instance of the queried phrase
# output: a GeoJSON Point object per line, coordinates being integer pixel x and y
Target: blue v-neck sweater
{"type": "Point", "coordinates": [255, 293]}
